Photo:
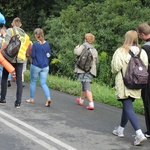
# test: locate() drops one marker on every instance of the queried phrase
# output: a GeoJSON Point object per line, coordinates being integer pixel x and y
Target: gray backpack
{"type": "Point", "coordinates": [85, 60]}
{"type": "Point", "coordinates": [11, 51]}
{"type": "Point", "coordinates": [136, 76]}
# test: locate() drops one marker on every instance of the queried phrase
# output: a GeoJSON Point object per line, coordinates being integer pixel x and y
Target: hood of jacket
{"type": "Point", "coordinates": [88, 45]}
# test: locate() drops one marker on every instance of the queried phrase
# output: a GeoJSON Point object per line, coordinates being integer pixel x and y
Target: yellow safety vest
{"type": "Point", "coordinates": [25, 42]}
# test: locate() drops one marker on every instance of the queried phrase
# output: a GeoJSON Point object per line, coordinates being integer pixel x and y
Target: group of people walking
{"type": "Point", "coordinates": [40, 51]}
{"type": "Point", "coordinates": [119, 64]}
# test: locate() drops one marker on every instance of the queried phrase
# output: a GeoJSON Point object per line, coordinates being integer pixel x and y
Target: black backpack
{"type": "Point", "coordinates": [11, 51]}
{"type": "Point", "coordinates": [136, 76]}
{"type": "Point", "coordinates": [85, 60]}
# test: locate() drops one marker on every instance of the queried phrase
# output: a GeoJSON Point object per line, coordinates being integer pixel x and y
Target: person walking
{"type": "Point", "coordinates": [16, 63]}
{"type": "Point", "coordinates": [126, 96]}
{"type": "Point", "coordinates": [2, 40]}
{"type": "Point", "coordinates": [2, 36]}
{"type": "Point", "coordinates": [144, 33]}
{"type": "Point", "coordinates": [86, 77]}
{"type": "Point", "coordinates": [40, 53]}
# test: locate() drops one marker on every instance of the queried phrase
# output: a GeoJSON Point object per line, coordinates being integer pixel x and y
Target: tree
{"type": "Point", "coordinates": [66, 22]}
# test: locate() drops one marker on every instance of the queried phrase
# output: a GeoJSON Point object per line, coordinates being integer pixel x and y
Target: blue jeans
{"type": "Point", "coordinates": [42, 73]}
{"type": "Point", "coordinates": [128, 114]}
{"type": "Point", "coordinates": [18, 68]}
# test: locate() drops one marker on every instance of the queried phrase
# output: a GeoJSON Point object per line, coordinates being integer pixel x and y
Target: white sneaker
{"type": "Point", "coordinates": [118, 133]}
{"type": "Point", "coordinates": [139, 138]}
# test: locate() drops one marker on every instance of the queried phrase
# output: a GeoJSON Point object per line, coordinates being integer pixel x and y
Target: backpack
{"type": "Point", "coordinates": [136, 76]}
{"type": "Point", "coordinates": [11, 51]}
{"type": "Point", "coordinates": [85, 60]}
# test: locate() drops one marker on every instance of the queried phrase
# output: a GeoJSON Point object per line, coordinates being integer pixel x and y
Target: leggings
{"type": "Point", "coordinates": [129, 114]}
{"type": "Point", "coordinates": [86, 86]}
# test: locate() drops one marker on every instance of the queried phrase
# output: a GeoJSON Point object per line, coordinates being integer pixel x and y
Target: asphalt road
{"type": "Point", "coordinates": [63, 126]}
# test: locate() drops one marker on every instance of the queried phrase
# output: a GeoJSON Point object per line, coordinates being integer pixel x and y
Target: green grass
{"type": "Point", "coordinates": [101, 93]}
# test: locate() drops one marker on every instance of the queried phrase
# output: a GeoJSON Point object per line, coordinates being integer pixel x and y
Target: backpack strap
{"type": "Point", "coordinates": [132, 54]}
{"type": "Point", "coordinates": [139, 53]}
{"type": "Point", "coordinates": [13, 34]}
{"type": "Point", "coordinates": [13, 31]}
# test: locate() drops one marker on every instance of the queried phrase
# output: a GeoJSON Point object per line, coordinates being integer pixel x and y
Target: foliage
{"type": "Point", "coordinates": [66, 22]}
{"type": "Point", "coordinates": [108, 21]}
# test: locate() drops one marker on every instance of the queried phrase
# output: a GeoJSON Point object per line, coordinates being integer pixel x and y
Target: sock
{"type": "Point", "coordinates": [121, 129]}
{"type": "Point", "coordinates": [91, 104]}
{"type": "Point", "coordinates": [81, 100]}
{"type": "Point", "coordinates": [138, 132]}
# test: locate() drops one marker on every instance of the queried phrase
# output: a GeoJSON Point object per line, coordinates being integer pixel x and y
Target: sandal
{"type": "Point", "coordinates": [30, 101]}
{"type": "Point", "coordinates": [48, 102]}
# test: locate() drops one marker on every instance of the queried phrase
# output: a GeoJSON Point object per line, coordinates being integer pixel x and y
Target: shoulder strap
{"type": "Point", "coordinates": [147, 43]}
{"type": "Point", "coordinates": [13, 31]}
{"type": "Point", "coordinates": [131, 53]}
{"type": "Point", "coordinates": [139, 53]}
{"type": "Point", "coordinates": [43, 48]}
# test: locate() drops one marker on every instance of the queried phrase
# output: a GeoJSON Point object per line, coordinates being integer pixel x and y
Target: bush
{"type": "Point", "coordinates": [108, 21]}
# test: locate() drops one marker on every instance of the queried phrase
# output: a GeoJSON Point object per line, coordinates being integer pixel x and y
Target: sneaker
{"type": "Point", "coordinates": [8, 84]}
{"type": "Point", "coordinates": [90, 108]}
{"type": "Point", "coordinates": [17, 106]}
{"type": "Point", "coordinates": [147, 134]}
{"type": "Point", "coordinates": [78, 101]}
{"type": "Point", "coordinates": [118, 133]}
{"type": "Point", "coordinates": [3, 101]}
{"type": "Point", "coordinates": [139, 139]}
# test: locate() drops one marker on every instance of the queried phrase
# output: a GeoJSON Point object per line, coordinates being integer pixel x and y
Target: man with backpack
{"type": "Point", "coordinates": [86, 68]}
{"type": "Point", "coordinates": [17, 63]}
{"type": "Point", "coordinates": [144, 33]}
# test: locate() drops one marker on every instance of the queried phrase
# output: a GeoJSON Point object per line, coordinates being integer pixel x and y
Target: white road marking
{"type": "Point", "coordinates": [30, 136]}
{"type": "Point", "coordinates": [58, 142]}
